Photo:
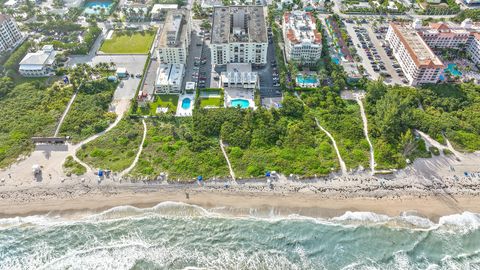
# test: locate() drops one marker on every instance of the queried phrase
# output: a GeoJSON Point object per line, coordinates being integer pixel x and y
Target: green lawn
{"type": "Point", "coordinates": [128, 42]}
{"type": "Point", "coordinates": [211, 102]}
{"type": "Point", "coordinates": [165, 100]}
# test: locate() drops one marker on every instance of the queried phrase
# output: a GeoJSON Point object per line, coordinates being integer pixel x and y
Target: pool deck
{"type": "Point", "coordinates": [181, 112]}
{"type": "Point", "coordinates": [247, 94]}
{"type": "Point", "coordinates": [94, 7]}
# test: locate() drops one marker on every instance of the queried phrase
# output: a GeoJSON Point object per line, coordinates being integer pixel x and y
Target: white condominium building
{"type": "Point", "coordinates": [175, 38]}
{"type": "Point", "coordinates": [169, 79]}
{"type": "Point", "coordinates": [239, 76]}
{"type": "Point", "coordinates": [239, 35]}
{"type": "Point", "coordinates": [38, 64]}
{"type": "Point", "coordinates": [303, 43]}
{"type": "Point", "coordinates": [416, 59]}
{"type": "Point", "coordinates": [10, 35]}
{"type": "Point", "coordinates": [473, 48]}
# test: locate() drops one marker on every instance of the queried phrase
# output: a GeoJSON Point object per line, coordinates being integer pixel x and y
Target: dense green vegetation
{"type": "Point", "coordinates": [172, 146]}
{"type": "Point", "coordinates": [89, 112]}
{"type": "Point", "coordinates": [116, 149]}
{"type": "Point", "coordinates": [468, 13]}
{"type": "Point", "coordinates": [70, 166]}
{"type": "Point", "coordinates": [89, 36]}
{"type": "Point", "coordinates": [129, 42]}
{"type": "Point", "coordinates": [343, 120]}
{"type": "Point", "coordinates": [452, 111]}
{"type": "Point", "coordinates": [12, 62]}
{"type": "Point", "coordinates": [26, 110]}
{"type": "Point", "coordinates": [284, 140]}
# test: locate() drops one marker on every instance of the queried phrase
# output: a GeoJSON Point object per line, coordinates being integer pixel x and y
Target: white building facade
{"type": "Point", "coordinates": [239, 76]}
{"type": "Point", "coordinates": [169, 79]}
{"type": "Point", "coordinates": [303, 43]}
{"type": "Point", "coordinates": [38, 64]}
{"type": "Point", "coordinates": [175, 38]}
{"type": "Point", "coordinates": [473, 48]}
{"type": "Point", "coordinates": [239, 35]}
{"type": "Point", "coordinates": [10, 35]}
{"type": "Point", "coordinates": [414, 56]}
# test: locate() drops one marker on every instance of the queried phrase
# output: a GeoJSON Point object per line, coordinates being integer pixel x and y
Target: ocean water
{"type": "Point", "coordinates": [181, 236]}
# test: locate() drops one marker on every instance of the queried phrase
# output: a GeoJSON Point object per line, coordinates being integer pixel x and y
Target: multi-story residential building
{"type": "Point", "coordinates": [443, 35]}
{"type": "Point", "coordinates": [169, 79]}
{"type": "Point", "coordinates": [38, 64]}
{"type": "Point", "coordinates": [473, 48]}
{"type": "Point", "coordinates": [239, 35]}
{"type": "Point", "coordinates": [175, 38]}
{"type": "Point", "coordinates": [10, 35]}
{"type": "Point", "coordinates": [415, 57]}
{"type": "Point", "coordinates": [239, 76]}
{"type": "Point", "coordinates": [303, 43]}
{"type": "Point", "coordinates": [159, 11]}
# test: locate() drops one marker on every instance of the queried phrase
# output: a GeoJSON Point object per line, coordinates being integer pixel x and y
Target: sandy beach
{"type": "Point", "coordinates": [431, 187]}
{"type": "Point", "coordinates": [284, 199]}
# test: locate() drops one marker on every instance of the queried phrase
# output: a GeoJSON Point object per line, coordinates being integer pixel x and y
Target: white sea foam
{"type": "Point", "coordinates": [362, 217]}
{"type": "Point", "coordinates": [466, 220]}
{"type": "Point", "coordinates": [417, 221]}
{"type": "Point", "coordinates": [124, 254]}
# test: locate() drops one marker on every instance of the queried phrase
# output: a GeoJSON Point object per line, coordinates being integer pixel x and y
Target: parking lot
{"type": "Point", "coordinates": [193, 66]}
{"type": "Point", "coordinates": [377, 58]}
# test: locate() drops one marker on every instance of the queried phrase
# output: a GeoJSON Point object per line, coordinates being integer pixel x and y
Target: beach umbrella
{"type": "Point", "coordinates": [267, 174]}
{"type": "Point", "coordinates": [200, 178]}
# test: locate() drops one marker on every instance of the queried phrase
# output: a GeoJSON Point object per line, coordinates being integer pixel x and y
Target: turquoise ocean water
{"type": "Point", "coordinates": [181, 236]}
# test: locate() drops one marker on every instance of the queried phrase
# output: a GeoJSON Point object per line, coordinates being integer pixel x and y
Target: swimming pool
{"type": "Point", "coordinates": [336, 60]}
{"type": "Point", "coordinates": [306, 80]}
{"type": "Point", "coordinates": [95, 7]}
{"type": "Point", "coordinates": [452, 68]}
{"type": "Point", "coordinates": [243, 103]}
{"type": "Point", "coordinates": [186, 103]}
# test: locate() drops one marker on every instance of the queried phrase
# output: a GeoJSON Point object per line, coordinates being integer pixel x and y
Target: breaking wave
{"type": "Point", "coordinates": [175, 235]}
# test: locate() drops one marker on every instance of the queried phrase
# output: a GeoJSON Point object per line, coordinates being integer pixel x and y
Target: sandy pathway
{"type": "Point", "coordinates": [67, 109]}
{"type": "Point", "coordinates": [343, 167]}
{"type": "Point", "coordinates": [232, 173]}
{"type": "Point", "coordinates": [140, 149]}
{"type": "Point", "coordinates": [365, 131]}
